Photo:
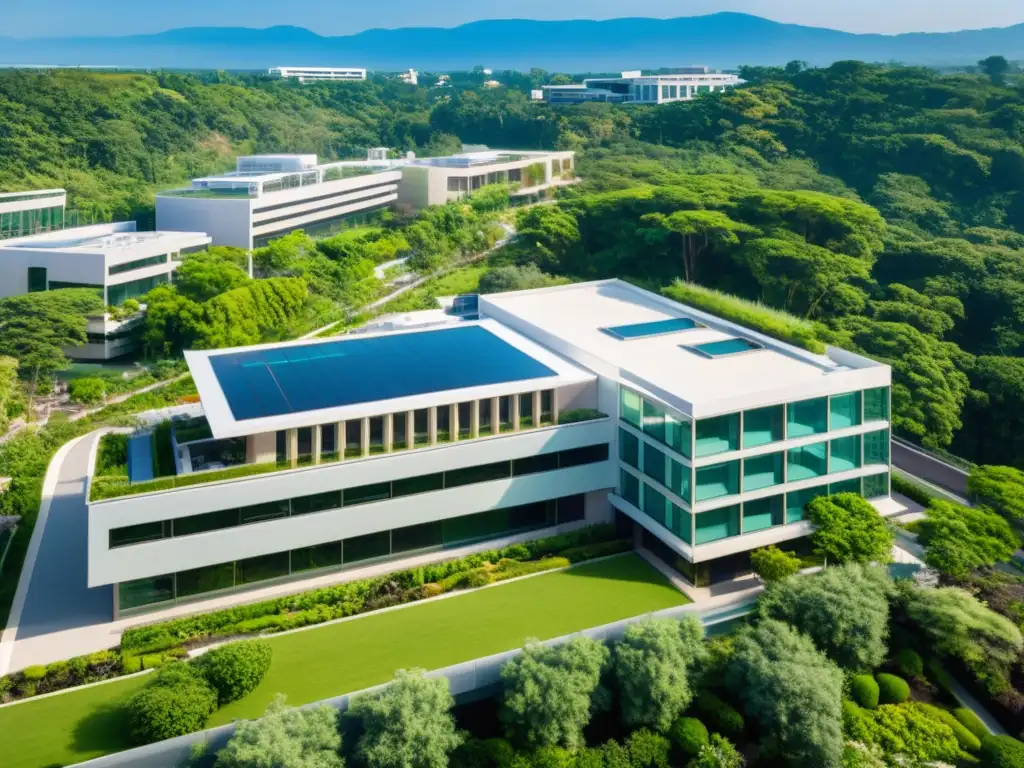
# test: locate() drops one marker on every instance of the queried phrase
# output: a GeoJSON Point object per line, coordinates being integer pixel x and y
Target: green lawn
{"type": "Point", "coordinates": [328, 661]}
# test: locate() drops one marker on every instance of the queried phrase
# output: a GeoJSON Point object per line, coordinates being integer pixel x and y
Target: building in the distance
{"type": "Point", "coordinates": [637, 88]}
{"type": "Point", "coordinates": [541, 411]}
{"type": "Point", "coordinates": [412, 77]}
{"type": "Point", "coordinates": [314, 74]}
{"type": "Point", "coordinates": [28, 213]}
{"type": "Point", "coordinates": [114, 259]}
{"type": "Point", "coordinates": [268, 196]}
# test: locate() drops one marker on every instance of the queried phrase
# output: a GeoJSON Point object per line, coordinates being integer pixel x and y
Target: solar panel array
{"type": "Point", "coordinates": [293, 379]}
{"type": "Point", "coordinates": [654, 328]}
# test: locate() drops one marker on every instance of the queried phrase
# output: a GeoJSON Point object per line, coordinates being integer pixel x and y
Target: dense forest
{"type": "Point", "coordinates": [884, 205]}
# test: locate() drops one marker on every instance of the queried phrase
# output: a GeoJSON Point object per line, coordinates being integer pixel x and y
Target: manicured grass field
{"type": "Point", "coordinates": [328, 661]}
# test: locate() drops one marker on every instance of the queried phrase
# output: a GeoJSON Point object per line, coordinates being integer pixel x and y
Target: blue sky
{"type": "Point", "coordinates": [24, 18]}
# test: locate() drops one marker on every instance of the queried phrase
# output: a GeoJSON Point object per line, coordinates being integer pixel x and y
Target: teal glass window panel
{"type": "Point", "coordinates": [678, 435]}
{"type": "Point", "coordinates": [655, 506]}
{"type": "Point", "coordinates": [718, 480]}
{"type": "Point", "coordinates": [718, 524]}
{"type": "Point", "coordinates": [209, 578]}
{"type": "Point", "coordinates": [654, 422]}
{"type": "Point", "coordinates": [147, 591]}
{"type": "Point", "coordinates": [844, 454]}
{"type": "Point", "coordinates": [718, 435]}
{"type": "Point", "coordinates": [762, 426]}
{"type": "Point", "coordinates": [807, 417]}
{"type": "Point", "coordinates": [844, 410]}
{"type": "Point", "coordinates": [630, 406]}
{"type": "Point", "coordinates": [846, 486]}
{"type": "Point", "coordinates": [763, 513]}
{"type": "Point", "coordinates": [876, 447]}
{"type": "Point", "coordinates": [679, 482]}
{"type": "Point", "coordinates": [876, 404]}
{"type": "Point", "coordinates": [797, 501]}
{"type": "Point", "coordinates": [762, 471]}
{"type": "Point", "coordinates": [629, 448]}
{"type": "Point", "coordinates": [876, 485]}
{"type": "Point", "coordinates": [807, 462]}
{"type": "Point", "coordinates": [725, 347]}
{"type": "Point", "coordinates": [682, 523]}
{"type": "Point", "coordinates": [629, 487]}
{"type": "Point", "coordinates": [654, 464]}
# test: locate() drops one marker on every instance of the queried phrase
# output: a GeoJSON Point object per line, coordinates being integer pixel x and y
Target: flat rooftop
{"type": "Point", "coordinates": [697, 363]}
{"type": "Point", "coordinates": [86, 240]}
{"type": "Point", "coordinates": [282, 386]}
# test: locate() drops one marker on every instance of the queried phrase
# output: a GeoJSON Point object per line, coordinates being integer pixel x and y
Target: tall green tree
{"type": "Point", "coordinates": [698, 232]}
{"type": "Point", "coordinates": [849, 530]}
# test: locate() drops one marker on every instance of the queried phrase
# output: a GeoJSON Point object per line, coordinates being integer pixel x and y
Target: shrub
{"type": "Point", "coordinates": [177, 701]}
{"type": "Point", "coordinates": [971, 722]}
{"type": "Point", "coordinates": [960, 539]}
{"type": "Point", "coordinates": [235, 670]}
{"type": "Point", "coordinates": [34, 673]}
{"type": "Point", "coordinates": [719, 716]}
{"type": "Point", "coordinates": [772, 564]}
{"type": "Point", "coordinates": [515, 552]}
{"type": "Point", "coordinates": [718, 753]}
{"type": "Point", "coordinates": [647, 749]}
{"type": "Point", "coordinates": [1002, 752]}
{"type": "Point", "coordinates": [910, 663]}
{"type": "Point", "coordinates": [580, 414]}
{"type": "Point", "coordinates": [892, 689]}
{"type": "Point", "coordinates": [131, 664]}
{"type": "Point", "coordinates": [967, 740]}
{"type": "Point", "coordinates": [849, 529]}
{"type": "Point", "coordinates": [864, 691]}
{"type": "Point", "coordinates": [688, 734]}
{"type": "Point", "coordinates": [482, 753]}
{"type": "Point", "coordinates": [285, 737]}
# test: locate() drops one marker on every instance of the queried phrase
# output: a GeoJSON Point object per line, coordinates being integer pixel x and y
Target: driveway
{"type": "Point", "coordinates": [57, 604]}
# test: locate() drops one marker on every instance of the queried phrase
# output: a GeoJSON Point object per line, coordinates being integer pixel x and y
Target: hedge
{"type": "Point", "coordinates": [864, 691]}
{"type": "Point", "coordinates": [1002, 752]}
{"type": "Point", "coordinates": [688, 734]}
{"type": "Point", "coordinates": [910, 663]}
{"type": "Point", "coordinates": [719, 716]}
{"type": "Point", "coordinates": [580, 414]}
{"type": "Point", "coordinates": [971, 722]}
{"type": "Point", "coordinates": [967, 740]}
{"type": "Point", "coordinates": [892, 689]}
{"type": "Point", "coordinates": [177, 701]}
{"type": "Point", "coordinates": [235, 669]}
{"type": "Point", "coordinates": [912, 490]}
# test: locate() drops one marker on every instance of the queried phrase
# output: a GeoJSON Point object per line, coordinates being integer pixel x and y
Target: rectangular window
{"type": "Point", "coordinates": [479, 474]}
{"type": "Point", "coordinates": [654, 421]}
{"type": "Point", "coordinates": [128, 266]}
{"type": "Point", "coordinates": [844, 410]}
{"type": "Point", "coordinates": [444, 423]}
{"type": "Point", "coordinates": [846, 486]}
{"type": "Point", "coordinates": [762, 426]}
{"type": "Point", "coordinates": [876, 404]}
{"type": "Point", "coordinates": [679, 480]}
{"type": "Point", "coordinates": [718, 480]}
{"type": "Point", "coordinates": [400, 431]}
{"type": "Point", "coordinates": [678, 435]}
{"type": "Point", "coordinates": [414, 537]}
{"type": "Point", "coordinates": [368, 547]}
{"type": "Point", "coordinates": [762, 471]}
{"type": "Point", "coordinates": [529, 465]}
{"type": "Point", "coordinates": [147, 591]}
{"type": "Point", "coordinates": [762, 513]}
{"type": "Point", "coordinates": [364, 494]}
{"type": "Point", "coordinates": [353, 438]}
{"type": "Point", "coordinates": [806, 462]}
{"type": "Point", "coordinates": [209, 578]}
{"type": "Point", "coordinates": [258, 513]}
{"type": "Point", "coordinates": [465, 421]}
{"type": "Point", "coordinates": [328, 442]}
{"type": "Point", "coordinates": [629, 488]}
{"type": "Point", "coordinates": [526, 411]}
{"type": "Point", "coordinates": [718, 524]}
{"type": "Point", "coordinates": [116, 294]}
{"type": "Point", "coordinates": [797, 501]}
{"type": "Point", "coordinates": [376, 434]}
{"type": "Point", "coordinates": [305, 442]}
{"type": "Point", "coordinates": [876, 485]}
{"type": "Point", "coordinates": [253, 569]}
{"type": "Point", "coordinates": [629, 448]}
{"type": "Point", "coordinates": [505, 413]}
{"type": "Point", "coordinates": [421, 427]}
{"type": "Point", "coordinates": [718, 435]}
{"type": "Point", "coordinates": [654, 464]}
{"type": "Point", "coordinates": [36, 279]}
{"type": "Point", "coordinates": [320, 556]}
{"type": "Point", "coordinates": [588, 454]}
{"type": "Point", "coordinates": [137, 534]}
{"type": "Point", "coordinates": [410, 486]}
{"type": "Point", "coordinates": [682, 523]}
{"type": "Point", "coordinates": [571, 509]}
{"type": "Point", "coordinates": [486, 418]}
{"type": "Point", "coordinates": [629, 408]}
{"type": "Point", "coordinates": [209, 521]}
{"type": "Point", "coordinates": [656, 506]}
{"type": "Point", "coordinates": [844, 454]}
{"type": "Point", "coordinates": [282, 446]}
{"type": "Point", "coordinates": [547, 398]}
{"type": "Point", "coordinates": [318, 502]}
{"type": "Point", "coordinates": [876, 447]}
{"type": "Point", "coordinates": [808, 417]}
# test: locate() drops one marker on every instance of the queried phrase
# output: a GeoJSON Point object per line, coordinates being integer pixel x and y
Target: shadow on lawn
{"type": "Point", "coordinates": [103, 730]}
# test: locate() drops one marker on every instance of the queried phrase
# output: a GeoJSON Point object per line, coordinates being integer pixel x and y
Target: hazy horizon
{"type": "Point", "coordinates": [67, 18]}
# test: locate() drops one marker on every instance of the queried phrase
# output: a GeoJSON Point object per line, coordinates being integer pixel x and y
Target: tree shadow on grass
{"type": "Point", "coordinates": [106, 729]}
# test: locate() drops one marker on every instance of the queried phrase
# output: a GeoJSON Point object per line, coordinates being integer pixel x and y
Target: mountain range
{"type": "Point", "coordinates": [722, 40]}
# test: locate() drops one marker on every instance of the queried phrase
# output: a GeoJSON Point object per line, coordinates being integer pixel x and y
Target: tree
{"type": "Point", "coordinates": [844, 610]}
{"type": "Point", "coordinates": [698, 231]}
{"type": "Point", "coordinates": [549, 692]}
{"type": "Point", "coordinates": [206, 274]}
{"type": "Point", "coordinates": [792, 690]}
{"type": "Point", "coordinates": [285, 738]}
{"type": "Point", "coordinates": [995, 67]}
{"type": "Point", "coordinates": [408, 724]}
{"type": "Point", "coordinates": [547, 233]}
{"type": "Point", "coordinates": [959, 539]}
{"type": "Point", "coordinates": [489, 198]}
{"type": "Point", "coordinates": [87, 390]}
{"type": "Point", "coordinates": [849, 530]}
{"type": "Point", "coordinates": [772, 564]}
{"type": "Point", "coordinates": [1001, 488]}
{"type": "Point", "coordinates": [652, 664]}
{"type": "Point", "coordinates": [719, 753]}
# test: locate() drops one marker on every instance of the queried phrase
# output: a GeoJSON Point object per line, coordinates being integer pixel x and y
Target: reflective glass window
{"type": "Point", "coordinates": [718, 435]}
{"type": "Point", "coordinates": [806, 462]}
{"type": "Point", "coordinates": [876, 447]}
{"type": "Point", "coordinates": [844, 410]}
{"type": "Point", "coordinates": [797, 501]}
{"type": "Point", "coordinates": [762, 471]}
{"type": "Point", "coordinates": [718, 524]}
{"type": "Point", "coordinates": [762, 513]}
{"type": "Point", "coordinates": [629, 407]}
{"type": "Point", "coordinates": [718, 480]}
{"type": "Point", "coordinates": [844, 454]}
{"type": "Point", "coordinates": [629, 448]}
{"type": "Point", "coordinates": [876, 404]}
{"type": "Point", "coordinates": [654, 421]}
{"type": "Point", "coordinates": [807, 417]}
{"type": "Point", "coordinates": [629, 487]}
{"type": "Point", "coordinates": [762, 426]}
{"type": "Point", "coordinates": [876, 485]}
{"type": "Point", "coordinates": [654, 464]}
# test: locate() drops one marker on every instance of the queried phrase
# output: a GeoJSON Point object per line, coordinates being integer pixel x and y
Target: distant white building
{"type": "Point", "coordinates": [412, 77]}
{"type": "Point", "coordinates": [636, 88]}
{"type": "Point", "coordinates": [313, 74]}
{"type": "Point", "coordinates": [26, 213]}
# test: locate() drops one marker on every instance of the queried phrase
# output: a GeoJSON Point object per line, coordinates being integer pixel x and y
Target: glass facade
{"type": "Point", "coordinates": [654, 464]}
{"type": "Point", "coordinates": [128, 266]}
{"type": "Point", "coordinates": [876, 404]}
{"type": "Point", "coordinates": [806, 462]}
{"type": "Point", "coordinates": [629, 448]}
{"type": "Point", "coordinates": [797, 501]}
{"type": "Point", "coordinates": [762, 471]}
{"type": "Point", "coordinates": [21, 223]}
{"type": "Point", "coordinates": [876, 447]}
{"type": "Point", "coordinates": [655, 423]}
{"type": "Point", "coordinates": [844, 454]}
{"type": "Point", "coordinates": [876, 485]}
{"type": "Point", "coordinates": [763, 513]}
{"type": "Point", "coordinates": [718, 435]}
{"type": "Point", "coordinates": [437, 535]}
{"type": "Point", "coordinates": [116, 294]}
{"type": "Point", "coordinates": [762, 426]}
{"type": "Point", "coordinates": [844, 410]}
{"type": "Point", "coordinates": [718, 524]}
{"type": "Point", "coordinates": [630, 408]}
{"type": "Point", "coordinates": [807, 417]}
{"type": "Point", "coordinates": [718, 480]}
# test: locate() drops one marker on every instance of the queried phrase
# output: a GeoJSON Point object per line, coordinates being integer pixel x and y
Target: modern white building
{"type": "Point", "coordinates": [412, 77]}
{"type": "Point", "coordinates": [268, 196]}
{"type": "Point", "coordinates": [314, 74]}
{"type": "Point", "coordinates": [27, 213]}
{"type": "Point", "coordinates": [114, 259]}
{"type": "Point", "coordinates": [637, 88]}
{"type": "Point", "coordinates": [548, 409]}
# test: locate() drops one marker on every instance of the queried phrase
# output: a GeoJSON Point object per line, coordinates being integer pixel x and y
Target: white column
{"type": "Point", "coordinates": [432, 424]}
{"type": "Point", "coordinates": [536, 408]}
{"type": "Point", "coordinates": [410, 429]}
{"type": "Point", "coordinates": [495, 415]}
{"type": "Point", "coordinates": [389, 433]}
{"type": "Point", "coordinates": [554, 406]}
{"type": "Point", "coordinates": [293, 447]}
{"type": "Point", "coordinates": [474, 419]}
{"type": "Point", "coordinates": [453, 421]}
{"type": "Point", "coordinates": [514, 412]}
{"type": "Point", "coordinates": [317, 444]}
{"type": "Point", "coordinates": [364, 437]}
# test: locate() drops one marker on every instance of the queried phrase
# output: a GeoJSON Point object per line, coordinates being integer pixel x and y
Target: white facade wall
{"type": "Point", "coordinates": [227, 222]}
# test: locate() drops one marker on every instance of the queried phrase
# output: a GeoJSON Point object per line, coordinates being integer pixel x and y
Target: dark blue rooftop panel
{"type": "Point", "coordinates": [279, 380]}
{"type": "Point", "coordinates": [655, 328]}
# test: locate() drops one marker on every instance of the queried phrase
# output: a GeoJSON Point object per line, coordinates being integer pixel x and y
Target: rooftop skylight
{"type": "Point", "coordinates": [724, 347]}
{"type": "Point", "coordinates": [654, 328]}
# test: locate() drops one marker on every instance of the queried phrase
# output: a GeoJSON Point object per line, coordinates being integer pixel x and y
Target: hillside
{"type": "Point", "coordinates": [720, 40]}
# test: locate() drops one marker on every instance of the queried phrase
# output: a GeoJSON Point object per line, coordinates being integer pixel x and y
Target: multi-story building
{"type": "Point", "coordinates": [314, 74]}
{"type": "Point", "coordinates": [436, 180]}
{"type": "Point", "coordinates": [268, 196]}
{"type": "Point", "coordinates": [637, 88]}
{"type": "Point", "coordinates": [27, 213]}
{"type": "Point", "coordinates": [114, 259]}
{"type": "Point", "coordinates": [548, 409]}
